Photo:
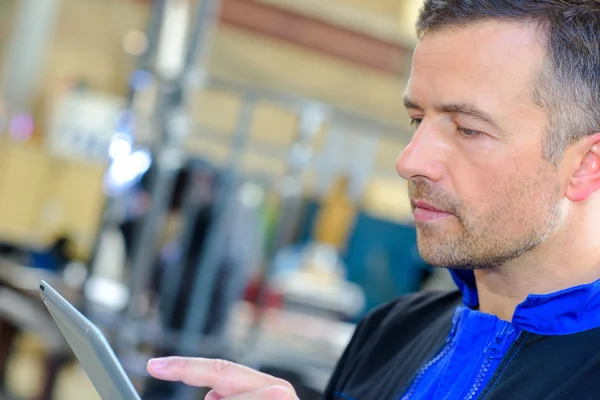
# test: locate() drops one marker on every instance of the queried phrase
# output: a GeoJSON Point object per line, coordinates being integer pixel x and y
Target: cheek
{"type": "Point", "coordinates": [494, 194]}
{"type": "Point", "coordinates": [488, 194]}
{"type": "Point", "coordinates": [492, 169]}
{"type": "Point", "coordinates": [509, 200]}
{"type": "Point", "coordinates": [498, 182]}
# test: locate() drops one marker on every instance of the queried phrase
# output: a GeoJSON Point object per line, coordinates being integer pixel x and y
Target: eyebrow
{"type": "Point", "coordinates": [456, 108]}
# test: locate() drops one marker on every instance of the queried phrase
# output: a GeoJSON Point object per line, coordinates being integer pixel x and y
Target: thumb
{"type": "Point", "coordinates": [212, 395]}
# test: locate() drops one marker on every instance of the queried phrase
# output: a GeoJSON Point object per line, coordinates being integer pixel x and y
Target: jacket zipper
{"type": "Point", "coordinates": [494, 351]}
{"type": "Point", "coordinates": [441, 354]}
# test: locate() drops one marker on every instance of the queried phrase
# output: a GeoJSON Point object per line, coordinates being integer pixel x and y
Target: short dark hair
{"type": "Point", "coordinates": [568, 85]}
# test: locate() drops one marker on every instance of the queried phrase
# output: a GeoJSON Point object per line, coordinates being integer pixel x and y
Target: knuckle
{"type": "Point", "coordinates": [222, 367]}
{"type": "Point", "coordinates": [184, 364]}
{"type": "Point", "coordinates": [177, 363]}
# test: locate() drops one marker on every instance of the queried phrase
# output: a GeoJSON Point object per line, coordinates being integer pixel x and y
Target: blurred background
{"type": "Point", "coordinates": [202, 178]}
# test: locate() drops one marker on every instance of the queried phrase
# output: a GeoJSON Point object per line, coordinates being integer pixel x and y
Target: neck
{"type": "Point", "coordinates": [560, 263]}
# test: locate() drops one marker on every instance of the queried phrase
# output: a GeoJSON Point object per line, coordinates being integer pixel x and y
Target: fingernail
{"type": "Point", "coordinates": [158, 363]}
{"type": "Point", "coordinates": [212, 395]}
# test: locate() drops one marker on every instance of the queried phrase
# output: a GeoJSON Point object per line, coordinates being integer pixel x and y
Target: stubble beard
{"type": "Point", "coordinates": [491, 240]}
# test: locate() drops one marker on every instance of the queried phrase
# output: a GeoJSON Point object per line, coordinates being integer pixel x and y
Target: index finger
{"type": "Point", "coordinates": [224, 377]}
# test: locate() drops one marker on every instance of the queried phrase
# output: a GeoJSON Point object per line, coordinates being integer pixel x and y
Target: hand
{"type": "Point", "coordinates": [227, 380]}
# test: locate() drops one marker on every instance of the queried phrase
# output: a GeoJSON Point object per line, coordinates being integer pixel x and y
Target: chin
{"type": "Point", "coordinates": [436, 259]}
{"type": "Point", "coordinates": [459, 260]}
{"type": "Point", "coordinates": [436, 254]}
{"type": "Point", "coordinates": [443, 257]}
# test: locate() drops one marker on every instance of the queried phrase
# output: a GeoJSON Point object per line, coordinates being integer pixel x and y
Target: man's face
{"type": "Point", "coordinates": [476, 153]}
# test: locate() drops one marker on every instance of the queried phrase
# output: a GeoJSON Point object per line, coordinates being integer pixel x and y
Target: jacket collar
{"type": "Point", "coordinates": [565, 312]}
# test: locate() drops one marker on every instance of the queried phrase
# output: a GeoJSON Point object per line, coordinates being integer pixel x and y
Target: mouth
{"type": "Point", "coordinates": [425, 212]}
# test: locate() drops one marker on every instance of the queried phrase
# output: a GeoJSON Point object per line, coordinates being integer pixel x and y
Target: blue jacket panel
{"type": "Point", "coordinates": [439, 346]}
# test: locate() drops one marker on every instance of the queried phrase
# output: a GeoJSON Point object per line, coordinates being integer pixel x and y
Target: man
{"type": "Point", "coordinates": [504, 178]}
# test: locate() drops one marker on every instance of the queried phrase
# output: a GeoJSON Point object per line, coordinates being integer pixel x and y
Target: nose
{"type": "Point", "coordinates": [422, 157]}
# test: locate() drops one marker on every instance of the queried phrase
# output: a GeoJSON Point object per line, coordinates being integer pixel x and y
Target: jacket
{"type": "Point", "coordinates": [438, 346]}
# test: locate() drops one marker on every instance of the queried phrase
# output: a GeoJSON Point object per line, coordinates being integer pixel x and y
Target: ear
{"type": "Point", "coordinates": [586, 179]}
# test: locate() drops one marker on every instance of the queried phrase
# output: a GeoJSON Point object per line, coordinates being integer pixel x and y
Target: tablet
{"type": "Point", "coordinates": [91, 348]}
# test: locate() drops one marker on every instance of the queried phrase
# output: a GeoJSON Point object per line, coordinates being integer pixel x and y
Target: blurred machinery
{"type": "Point", "coordinates": [197, 254]}
{"type": "Point", "coordinates": [174, 72]}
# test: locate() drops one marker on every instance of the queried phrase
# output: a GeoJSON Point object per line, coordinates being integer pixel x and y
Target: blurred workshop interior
{"type": "Point", "coordinates": [204, 178]}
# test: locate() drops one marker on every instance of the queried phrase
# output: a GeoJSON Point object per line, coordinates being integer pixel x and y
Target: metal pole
{"type": "Point", "coordinates": [168, 159]}
{"type": "Point", "coordinates": [145, 60]}
{"type": "Point", "coordinates": [172, 278]}
{"type": "Point", "coordinates": [290, 193]}
{"type": "Point", "coordinates": [208, 266]}
{"type": "Point", "coordinates": [168, 164]}
{"type": "Point", "coordinates": [198, 49]}
{"type": "Point", "coordinates": [198, 308]}
{"type": "Point", "coordinates": [168, 65]}
{"type": "Point", "coordinates": [175, 58]}
{"type": "Point", "coordinates": [109, 214]}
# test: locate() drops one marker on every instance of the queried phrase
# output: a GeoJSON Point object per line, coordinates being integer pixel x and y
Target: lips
{"type": "Point", "coordinates": [426, 206]}
{"type": "Point", "coordinates": [424, 212]}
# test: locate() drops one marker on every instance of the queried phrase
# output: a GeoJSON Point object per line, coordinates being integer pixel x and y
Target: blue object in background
{"type": "Point", "coordinates": [53, 258]}
{"type": "Point", "coordinates": [309, 215]}
{"type": "Point", "coordinates": [381, 256]}
{"type": "Point", "coordinates": [44, 260]}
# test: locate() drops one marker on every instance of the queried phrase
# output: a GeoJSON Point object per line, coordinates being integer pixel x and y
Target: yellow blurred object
{"type": "Point", "coordinates": [42, 197]}
{"type": "Point", "coordinates": [25, 373]}
{"type": "Point", "coordinates": [25, 385]}
{"type": "Point", "coordinates": [407, 15]}
{"type": "Point", "coordinates": [387, 198]}
{"type": "Point", "coordinates": [336, 217]}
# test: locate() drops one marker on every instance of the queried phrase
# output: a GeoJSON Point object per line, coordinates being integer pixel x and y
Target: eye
{"type": "Point", "coordinates": [469, 133]}
{"type": "Point", "coordinates": [415, 122]}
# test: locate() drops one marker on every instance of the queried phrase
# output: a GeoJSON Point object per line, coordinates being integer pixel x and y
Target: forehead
{"type": "Point", "coordinates": [489, 62]}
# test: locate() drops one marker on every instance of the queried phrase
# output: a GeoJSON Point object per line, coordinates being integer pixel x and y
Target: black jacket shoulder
{"type": "Point", "coordinates": [390, 344]}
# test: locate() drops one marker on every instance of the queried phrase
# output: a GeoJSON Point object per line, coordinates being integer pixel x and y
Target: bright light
{"type": "Point", "coordinates": [125, 170]}
{"type": "Point", "coordinates": [141, 159]}
{"type": "Point", "coordinates": [121, 171]}
{"type": "Point", "coordinates": [120, 147]}
{"type": "Point", "coordinates": [106, 292]}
